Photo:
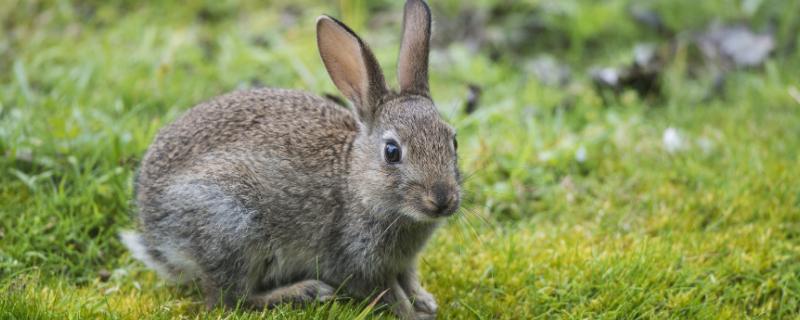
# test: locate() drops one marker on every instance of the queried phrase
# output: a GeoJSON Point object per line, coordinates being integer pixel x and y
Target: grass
{"type": "Point", "coordinates": [574, 207]}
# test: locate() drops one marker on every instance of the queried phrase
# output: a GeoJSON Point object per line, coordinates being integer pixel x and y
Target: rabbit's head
{"type": "Point", "coordinates": [404, 156]}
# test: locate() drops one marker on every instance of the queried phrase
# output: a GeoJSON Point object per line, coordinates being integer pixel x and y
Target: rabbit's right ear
{"type": "Point", "coordinates": [352, 66]}
{"type": "Point", "coordinates": [412, 65]}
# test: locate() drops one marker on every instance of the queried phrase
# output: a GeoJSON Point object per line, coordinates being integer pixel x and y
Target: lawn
{"type": "Point", "coordinates": [581, 201]}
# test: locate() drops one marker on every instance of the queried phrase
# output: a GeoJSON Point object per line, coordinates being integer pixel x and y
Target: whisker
{"type": "Point", "coordinates": [468, 176]}
{"type": "Point", "coordinates": [471, 228]}
{"type": "Point", "coordinates": [469, 195]}
{"type": "Point", "coordinates": [459, 231]}
{"type": "Point", "coordinates": [481, 217]}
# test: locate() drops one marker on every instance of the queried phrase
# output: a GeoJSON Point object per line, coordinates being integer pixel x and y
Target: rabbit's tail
{"type": "Point", "coordinates": [169, 263]}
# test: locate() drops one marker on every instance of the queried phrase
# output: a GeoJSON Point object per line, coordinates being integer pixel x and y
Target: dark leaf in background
{"type": "Point", "coordinates": [723, 48]}
{"type": "Point", "coordinates": [104, 275]}
{"type": "Point", "coordinates": [473, 96]}
{"type": "Point", "coordinates": [642, 75]}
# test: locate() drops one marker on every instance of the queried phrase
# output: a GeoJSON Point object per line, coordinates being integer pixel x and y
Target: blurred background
{"type": "Point", "coordinates": [621, 158]}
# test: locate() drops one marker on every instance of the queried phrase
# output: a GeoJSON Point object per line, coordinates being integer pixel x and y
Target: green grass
{"type": "Point", "coordinates": [632, 231]}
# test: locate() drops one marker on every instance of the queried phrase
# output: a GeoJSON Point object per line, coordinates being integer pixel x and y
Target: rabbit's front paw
{"type": "Point", "coordinates": [425, 306]}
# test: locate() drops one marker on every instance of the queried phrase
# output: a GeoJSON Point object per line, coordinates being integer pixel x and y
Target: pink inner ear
{"type": "Point", "coordinates": [341, 53]}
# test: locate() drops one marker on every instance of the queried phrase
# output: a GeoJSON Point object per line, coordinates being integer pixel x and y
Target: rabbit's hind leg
{"type": "Point", "coordinates": [302, 292]}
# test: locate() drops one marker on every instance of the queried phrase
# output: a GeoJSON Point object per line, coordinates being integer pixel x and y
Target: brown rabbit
{"type": "Point", "coordinates": [270, 196]}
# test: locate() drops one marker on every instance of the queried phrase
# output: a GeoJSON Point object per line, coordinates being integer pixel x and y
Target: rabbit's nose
{"type": "Point", "coordinates": [442, 200]}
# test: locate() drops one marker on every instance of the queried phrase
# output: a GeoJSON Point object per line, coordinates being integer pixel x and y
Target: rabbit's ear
{"type": "Point", "coordinates": [352, 66]}
{"type": "Point", "coordinates": [412, 66]}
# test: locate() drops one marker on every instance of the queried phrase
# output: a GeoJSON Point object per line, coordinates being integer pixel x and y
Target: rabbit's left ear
{"type": "Point", "coordinates": [352, 67]}
{"type": "Point", "coordinates": [412, 66]}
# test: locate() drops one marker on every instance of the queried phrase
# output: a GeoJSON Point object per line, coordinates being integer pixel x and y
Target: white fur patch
{"type": "Point", "coordinates": [133, 241]}
{"type": "Point", "coordinates": [187, 268]}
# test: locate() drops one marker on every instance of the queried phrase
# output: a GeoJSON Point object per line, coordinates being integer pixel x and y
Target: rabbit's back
{"type": "Point", "coordinates": [308, 132]}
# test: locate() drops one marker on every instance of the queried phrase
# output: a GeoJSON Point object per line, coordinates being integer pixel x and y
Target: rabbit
{"type": "Point", "coordinates": [270, 196]}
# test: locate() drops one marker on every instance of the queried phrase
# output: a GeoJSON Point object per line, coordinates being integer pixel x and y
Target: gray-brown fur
{"type": "Point", "coordinates": [272, 196]}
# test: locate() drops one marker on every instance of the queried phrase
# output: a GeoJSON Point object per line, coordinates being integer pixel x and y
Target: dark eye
{"type": "Point", "coordinates": [391, 152]}
{"type": "Point", "coordinates": [455, 144]}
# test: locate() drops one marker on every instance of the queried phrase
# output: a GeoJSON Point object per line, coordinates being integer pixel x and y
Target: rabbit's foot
{"type": "Point", "coordinates": [302, 292]}
{"type": "Point", "coordinates": [424, 303]}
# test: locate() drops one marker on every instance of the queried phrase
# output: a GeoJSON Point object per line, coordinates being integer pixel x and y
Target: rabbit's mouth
{"type": "Point", "coordinates": [430, 203]}
{"type": "Point", "coordinates": [437, 210]}
{"type": "Point", "coordinates": [419, 215]}
{"type": "Point", "coordinates": [429, 211]}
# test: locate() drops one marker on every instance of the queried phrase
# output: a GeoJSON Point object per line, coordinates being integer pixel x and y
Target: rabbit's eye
{"type": "Point", "coordinates": [391, 152]}
{"type": "Point", "coordinates": [455, 144]}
